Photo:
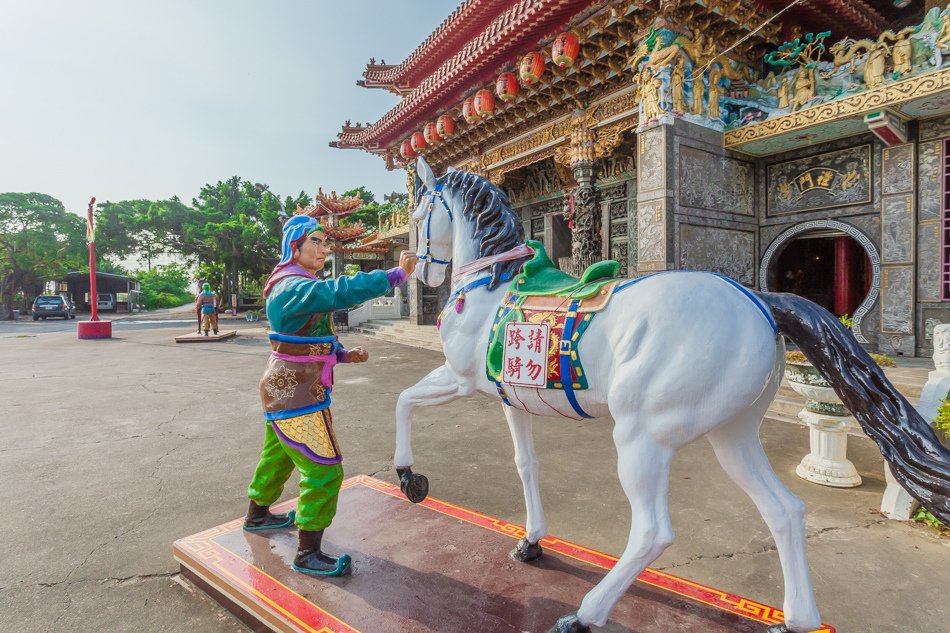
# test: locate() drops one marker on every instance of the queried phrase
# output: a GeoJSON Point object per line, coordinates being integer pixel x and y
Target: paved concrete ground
{"type": "Point", "coordinates": [110, 450]}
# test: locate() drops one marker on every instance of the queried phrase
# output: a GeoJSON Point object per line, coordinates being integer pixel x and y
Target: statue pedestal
{"type": "Point", "coordinates": [94, 329]}
{"type": "Point", "coordinates": [194, 337]}
{"type": "Point", "coordinates": [827, 463]}
{"type": "Point", "coordinates": [436, 568]}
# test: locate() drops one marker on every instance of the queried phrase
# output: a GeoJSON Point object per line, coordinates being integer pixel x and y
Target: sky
{"type": "Point", "coordinates": [126, 99]}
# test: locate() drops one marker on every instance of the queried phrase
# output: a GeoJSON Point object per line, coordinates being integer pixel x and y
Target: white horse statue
{"type": "Point", "coordinates": [665, 380]}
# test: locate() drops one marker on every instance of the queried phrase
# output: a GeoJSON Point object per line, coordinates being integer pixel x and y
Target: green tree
{"type": "Point", "coordinates": [370, 211]}
{"type": "Point", "coordinates": [165, 286]}
{"type": "Point", "coordinates": [39, 241]}
{"type": "Point", "coordinates": [123, 229]}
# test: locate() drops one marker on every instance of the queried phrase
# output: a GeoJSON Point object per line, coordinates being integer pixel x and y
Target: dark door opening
{"type": "Point", "coordinates": [830, 268]}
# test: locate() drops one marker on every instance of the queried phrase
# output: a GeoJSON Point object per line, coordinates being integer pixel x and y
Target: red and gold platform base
{"type": "Point", "coordinates": [437, 568]}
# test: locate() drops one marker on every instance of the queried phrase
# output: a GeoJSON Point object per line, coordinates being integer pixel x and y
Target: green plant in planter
{"type": "Point", "coordinates": [942, 421]}
{"type": "Point", "coordinates": [798, 358]}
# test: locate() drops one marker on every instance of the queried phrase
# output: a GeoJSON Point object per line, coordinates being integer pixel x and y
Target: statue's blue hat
{"type": "Point", "coordinates": [296, 229]}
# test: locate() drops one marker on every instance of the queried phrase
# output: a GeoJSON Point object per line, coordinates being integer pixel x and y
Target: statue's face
{"type": "Point", "coordinates": [312, 254]}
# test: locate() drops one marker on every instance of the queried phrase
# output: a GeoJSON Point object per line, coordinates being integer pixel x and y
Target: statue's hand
{"type": "Point", "coordinates": [408, 261]}
{"type": "Point", "coordinates": [358, 355]}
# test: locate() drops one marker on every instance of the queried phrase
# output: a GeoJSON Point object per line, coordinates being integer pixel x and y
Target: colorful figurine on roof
{"type": "Point", "coordinates": [296, 386]}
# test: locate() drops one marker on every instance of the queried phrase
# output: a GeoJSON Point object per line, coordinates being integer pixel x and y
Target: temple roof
{"type": "Point", "coordinates": [508, 34]}
{"type": "Point", "coordinates": [480, 36]}
{"type": "Point", "coordinates": [464, 23]}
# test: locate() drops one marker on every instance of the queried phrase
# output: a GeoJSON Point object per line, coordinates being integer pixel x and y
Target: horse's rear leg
{"type": "Point", "coordinates": [438, 387]}
{"type": "Point", "coordinates": [519, 422]}
{"type": "Point", "coordinates": [643, 466]}
{"type": "Point", "coordinates": [741, 454]}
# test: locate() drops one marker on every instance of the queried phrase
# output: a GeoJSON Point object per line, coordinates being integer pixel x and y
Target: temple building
{"type": "Point", "coordinates": [793, 146]}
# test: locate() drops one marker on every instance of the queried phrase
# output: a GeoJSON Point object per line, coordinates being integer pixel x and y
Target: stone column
{"type": "Point", "coordinates": [586, 240]}
{"type": "Point", "coordinates": [655, 201]}
{"type": "Point", "coordinates": [898, 255]}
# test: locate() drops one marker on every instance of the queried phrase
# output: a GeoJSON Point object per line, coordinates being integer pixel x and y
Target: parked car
{"type": "Point", "coordinates": [105, 302]}
{"type": "Point", "coordinates": [53, 305]}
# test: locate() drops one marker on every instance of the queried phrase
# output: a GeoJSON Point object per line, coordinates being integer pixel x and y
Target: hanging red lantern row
{"type": "Point", "coordinates": [468, 111]}
{"type": "Point", "coordinates": [507, 87]}
{"type": "Point", "coordinates": [418, 141]}
{"type": "Point", "coordinates": [565, 49]}
{"type": "Point", "coordinates": [405, 150]}
{"type": "Point", "coordinates": [445, 126]}
{"type": "Point", "coordinates": [531, 68]}
{"type": "Point", "coordinates": [430, 133]}
{"type": "Point", "coordinates": [484, 103]}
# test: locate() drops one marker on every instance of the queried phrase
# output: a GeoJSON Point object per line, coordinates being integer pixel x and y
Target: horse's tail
{"type": "Point", "coordinates": [919, 461]}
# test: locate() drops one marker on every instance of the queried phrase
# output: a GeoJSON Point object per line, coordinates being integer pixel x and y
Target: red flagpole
{"type": "Point", "coordinates": [93, 297]}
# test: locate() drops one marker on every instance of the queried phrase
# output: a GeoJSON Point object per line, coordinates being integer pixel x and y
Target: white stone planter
{"type": "Point", "coordinates": [828, 421]}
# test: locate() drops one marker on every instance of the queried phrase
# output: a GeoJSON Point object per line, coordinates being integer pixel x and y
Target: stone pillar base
{"type": "Point", "coordinates": [827, 463]}
{"type": "Point", "coordinates": [897, 503]}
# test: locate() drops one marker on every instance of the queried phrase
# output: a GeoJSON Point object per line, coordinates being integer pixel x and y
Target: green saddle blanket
{"type": "Point", "coordinates": [540, 277]}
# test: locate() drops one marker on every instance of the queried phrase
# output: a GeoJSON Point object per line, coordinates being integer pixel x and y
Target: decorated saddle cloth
{"type": "Point", "coordinates": [295, 389]}
{"type": "Point", "coordinates": [543, 294]}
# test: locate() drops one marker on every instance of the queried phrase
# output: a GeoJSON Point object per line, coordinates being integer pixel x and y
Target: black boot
{"type": "Point", "coordinates": [260, 518]}
{"type": "Point", "coordinates": [311, 560]}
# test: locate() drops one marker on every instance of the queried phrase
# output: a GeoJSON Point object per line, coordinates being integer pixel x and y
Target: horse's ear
{"type": "Point", "coordinates": [425, 173]}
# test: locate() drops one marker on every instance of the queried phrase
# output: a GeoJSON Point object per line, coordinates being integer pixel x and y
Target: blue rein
{"type": "Point", "coordinates": [435, 195]}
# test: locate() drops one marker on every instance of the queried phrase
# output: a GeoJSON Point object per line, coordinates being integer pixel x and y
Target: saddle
{"type": "Point", "coordinates": [543, 294]}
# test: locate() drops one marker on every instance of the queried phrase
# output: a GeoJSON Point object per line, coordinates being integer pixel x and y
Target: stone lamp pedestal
{"type": "Point", "coordinates": [828, 421]}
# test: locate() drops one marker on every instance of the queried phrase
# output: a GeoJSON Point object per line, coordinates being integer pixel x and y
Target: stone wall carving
{"type": "Point", "coordinates": [832, 179]}
{"type": "Point", "coordinates": [897, 300]}
{"type": "Point", "coordinates": [719, 183]}
{"type": "Point", "coordinates": [928, 261]}
{"type": "Point", "coordinates": [937, 127]}
{"type": "Point", "coordinates": [616, 166]}
{"type": "Point", "coordinates": [791, 233]}
{"type": "Point", "coordinates": [897, 166]}
{"type": "Point", "coordinates": [729, 252]}
{"type": "Point", "coordinates": [534, 181]}
{"type": "Point", "coordinates": [651, 166]}
{"type": "Point", "coordinates": [897, 230]}
{"type": "Point", "coordinates": [929, 181]}
{"type": "Point", "coordinates": [651, 235]}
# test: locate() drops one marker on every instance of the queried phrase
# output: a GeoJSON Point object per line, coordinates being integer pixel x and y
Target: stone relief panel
{"type": "Point", "coordinates": [616, 166]}
{"type": "Point", "coordinates": [897, 168]}
{"type": "Point", "coordinates": [728, 252]}
{"type": "Point", "coordinates": [832, 179]}
{"type": "Point", "coordinates": [719, 183]}
{"type": "Point", "coordinates": [531, 182]}
{"type": "Point", "coordinates": [928, 207]}
{"type": "Point", "coordinates": [897, 230]}
{"type": "Point", "coordinates": [651, 166]}
{"type": "Point", "coordinates": [897, 300]}
{"type": "Point", "coordinates": [651, 235]}
{"type": "Point", "coordinates": [928, 261]}
{"type": "Point", "coordinates": [935, 128]}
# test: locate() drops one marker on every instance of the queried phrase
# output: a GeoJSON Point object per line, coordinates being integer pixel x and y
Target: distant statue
{"type": "Point", "coordinates": [942, 348]}
{"type": "Point", "coordinates": [650, 94]}
{"type": "Point", "coordinates": [677, 79]}
{"type": "Point", "coordinates": [783, 93]}
{"type": "Point", "coordinates": [712, 107]}
{"type": "Point", "coordinates": [804, 88]}
{"type": "Point", "coordinates": [698, 90]}
{"type": "Point", "coordinates": [207, 304]}
{"type": "Point", "coordinates": [902, 53]}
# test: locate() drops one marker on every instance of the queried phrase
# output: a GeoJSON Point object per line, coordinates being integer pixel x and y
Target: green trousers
{"type": "Point", "coordinates": [319, 483]}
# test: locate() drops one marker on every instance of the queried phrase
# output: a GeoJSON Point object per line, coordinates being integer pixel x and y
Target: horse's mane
{"type": "Point", "coordinates": [497, 228]}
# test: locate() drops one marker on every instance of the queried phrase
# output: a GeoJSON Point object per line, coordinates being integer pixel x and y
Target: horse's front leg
{"type": "Point", "coordinates": [439, 387]}
{"type": "Point", "coordinates": [519, 422]}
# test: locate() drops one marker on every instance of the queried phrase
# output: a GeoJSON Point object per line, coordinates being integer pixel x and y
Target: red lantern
{"type": "Point", "coordinates": [445, 126]}
{"type": "Point", "coordinates": [468, 111]}
{"type": "Point", "coordinates": [484, 103]}
{"type": "Point", "coordinates": [507, 87]}
{"type": "Point", "coordinates": [405, 150]}
{"type": "Point", "coordinates": [418, 141]}
{"type": "Point", "coordinates": [430, 133]}
{"type": "Point", "coordinates": [565, 49]}
{"type": "Point", "coordinates": [531, 68]}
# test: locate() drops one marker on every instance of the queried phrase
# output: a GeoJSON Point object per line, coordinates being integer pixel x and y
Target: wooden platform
{"type": "Point", "coordinates": [437, 568]}
{"type": "Point", "coordinates": [194, 337]}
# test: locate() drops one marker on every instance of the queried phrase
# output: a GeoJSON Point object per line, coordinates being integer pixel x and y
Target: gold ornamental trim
{"type": "Point", "coordinates": [889, 95]}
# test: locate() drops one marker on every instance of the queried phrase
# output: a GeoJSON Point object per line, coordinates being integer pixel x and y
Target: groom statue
{"type": "Point", "coordinates": [295, 389]}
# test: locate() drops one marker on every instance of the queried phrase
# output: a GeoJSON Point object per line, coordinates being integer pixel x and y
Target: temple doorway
{"type": "Point", "coordinates": [828, 267]}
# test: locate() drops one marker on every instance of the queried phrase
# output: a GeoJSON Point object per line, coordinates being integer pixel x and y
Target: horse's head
{"type": "Point", "coordinates": [459, 218]}
{"type": "Point", "coordinates": [433, 218]}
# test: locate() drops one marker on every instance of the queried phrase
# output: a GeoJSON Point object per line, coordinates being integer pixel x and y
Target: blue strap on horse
{"type": "Point", "coordinates": [564, 359]}
{"type": "Point", "coordinates": [437, 194]}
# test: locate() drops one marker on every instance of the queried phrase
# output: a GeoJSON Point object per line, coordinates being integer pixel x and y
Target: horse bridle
{"type": "Point", "coordinates": [434, 195]}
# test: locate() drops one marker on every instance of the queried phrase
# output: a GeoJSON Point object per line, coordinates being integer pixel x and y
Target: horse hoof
{"type": "Point", "coordinates": [413, 485]}
{"type": "Point", "coordinates": [569, 624]}
{"type": "Point", "coordinates": [526, 551]}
